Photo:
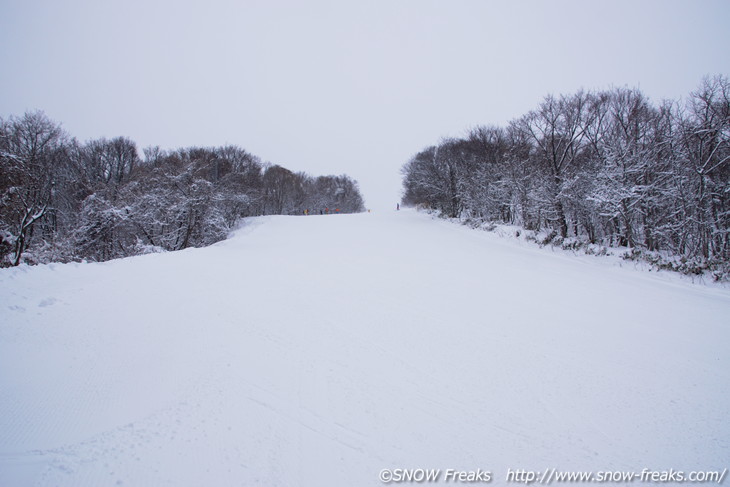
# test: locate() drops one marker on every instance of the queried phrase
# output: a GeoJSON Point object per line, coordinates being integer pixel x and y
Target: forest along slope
{"type": "Point", "coordinates": [319, 350]}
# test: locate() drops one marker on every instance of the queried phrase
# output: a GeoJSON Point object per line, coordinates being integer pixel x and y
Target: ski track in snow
{"type": "Point", "coordinates": [319, 350]}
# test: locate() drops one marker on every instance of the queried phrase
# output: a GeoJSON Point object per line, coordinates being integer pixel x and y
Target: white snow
{"type": "Point", "coordinates": [319, 350]}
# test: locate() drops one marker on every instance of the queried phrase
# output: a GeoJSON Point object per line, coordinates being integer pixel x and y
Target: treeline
{"type": "Point", "coordinates": [605, 167]}
{"type": "Point", "coordinates": [62, 200]}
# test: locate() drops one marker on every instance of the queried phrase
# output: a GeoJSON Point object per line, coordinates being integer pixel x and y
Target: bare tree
{"type": "Point", "coordinates": [557, 130]}
{"type": "Point", "coordinates": [32, 155]}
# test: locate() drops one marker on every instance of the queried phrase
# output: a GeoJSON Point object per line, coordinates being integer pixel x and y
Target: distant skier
{"type": "Point", "coordinates": [397, 206]}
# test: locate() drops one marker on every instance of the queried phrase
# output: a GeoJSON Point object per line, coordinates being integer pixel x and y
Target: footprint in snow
{"type": "Point", "coordinates": [47, 302]}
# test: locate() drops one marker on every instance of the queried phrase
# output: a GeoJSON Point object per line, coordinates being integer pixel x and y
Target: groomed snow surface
{"type": "Point", "coordinates": [318, 350]}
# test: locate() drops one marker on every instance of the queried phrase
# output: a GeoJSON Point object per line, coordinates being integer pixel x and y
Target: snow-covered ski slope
{"type": "Point", "coordinates": [318, 350]}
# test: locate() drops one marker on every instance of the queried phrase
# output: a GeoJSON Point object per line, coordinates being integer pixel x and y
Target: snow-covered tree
{"type": "Point", "coordinates": [608, 167]}
{"type": "Point", "coordinates": [32, 161]}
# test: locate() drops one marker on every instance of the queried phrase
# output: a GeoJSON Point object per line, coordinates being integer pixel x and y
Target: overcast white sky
{"type": "Point", "coordinates": [332, 87]}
